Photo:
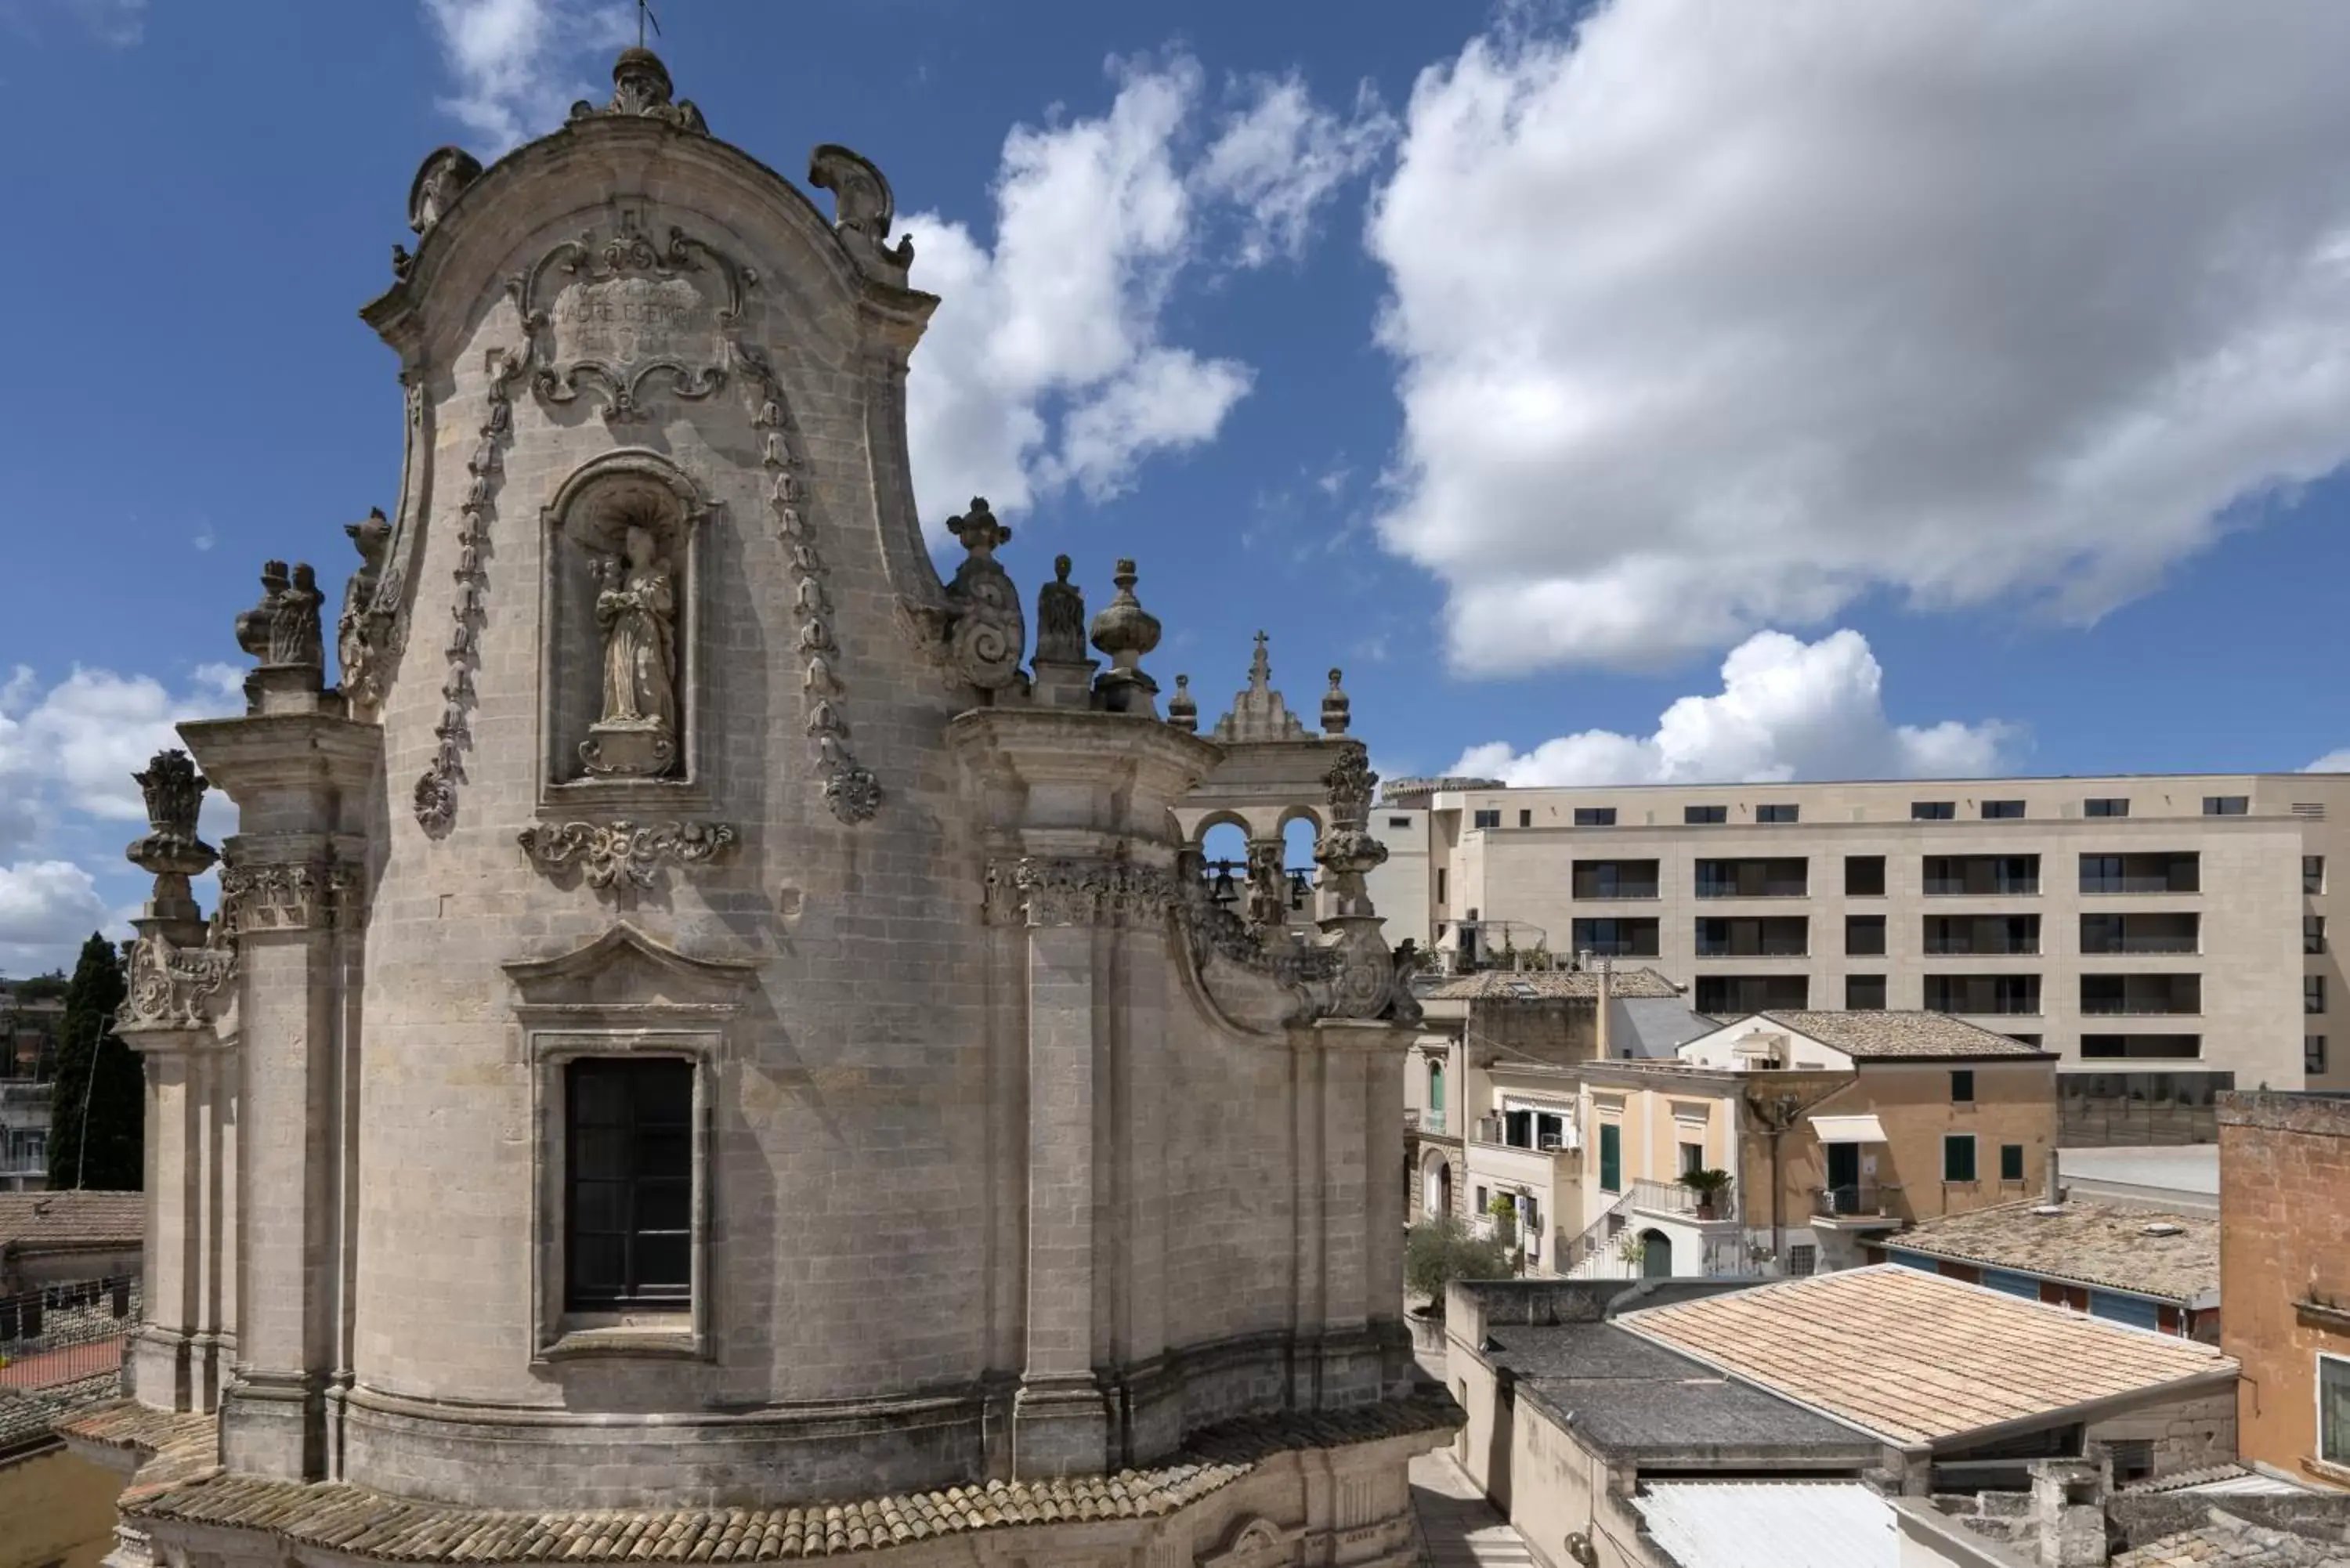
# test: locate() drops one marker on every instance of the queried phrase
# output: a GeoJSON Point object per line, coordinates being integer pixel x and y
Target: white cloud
{"type": "Point", "coordinates": [1282, 158]}
{"type": "Point", "coordinates": [1046, 365]}
{"type": "Point", "coordinates": [1786, 709]}
{"type": "Point", "coordinates": [516, 61]}
{"type": "Point", "coordinates": [120, 24]}
{"type": "Point", "coordinates": [205, 538]}
{"type": "Point", "coordinates": [1711, 316]}
{"type": "Point", "coordinates": [2337, 762]}
{"type": "Point", "coordinates": [47, 906]}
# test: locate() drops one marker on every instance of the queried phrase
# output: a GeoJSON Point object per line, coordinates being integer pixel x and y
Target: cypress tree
{"type": "Point", "coordinates": [98, 1118]}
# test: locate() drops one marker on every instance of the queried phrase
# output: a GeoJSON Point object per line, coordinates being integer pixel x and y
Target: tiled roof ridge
{"type": "Point", "coordinates": [355, 1522]}
{"type": "Point", "coordinates": [1843, 1028]}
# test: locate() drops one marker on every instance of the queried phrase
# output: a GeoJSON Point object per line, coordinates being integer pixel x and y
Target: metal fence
{"type": "Point", "coordinates": [42, 1330]}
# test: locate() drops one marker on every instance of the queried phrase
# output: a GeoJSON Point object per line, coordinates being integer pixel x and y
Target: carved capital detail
{"type": "Point", "coordinates": [1031, 892]}
{"type": "Point", "coordinates": [611, 855]}
{"type": "Point", "coordinates": [299, 895]}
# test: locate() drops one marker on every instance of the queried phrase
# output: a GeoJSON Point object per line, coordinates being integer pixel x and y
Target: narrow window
{"type": "Point", "coordinates": [1692, 1157]}
{"type": "Point", "coordinates": [1962, 1086]}
{"type": "Point", "coordinates": [1440, 884]}
{"type": "Point", "coordinates": [2010, 1162]}
{"type": "Point", "coordinates": [2312, 873]}
{"type": "Point", "coordinates": [2313, 994]}
{"type": "Point", "coordinates": [628, 1169]}
{"type": "Point", "coordinates": [1525, 817]}
{"type": "Point", "coordinates": [1959, 1157]}
{"type": "Point", "coordinates": [2333, 1409]}
{"type": "Point", "coordinates": [2313, 933]}
{"type": "Point", "coordinates": [1611, 1158]}
{"type": "Point", "coordinates": [2312, 1053]}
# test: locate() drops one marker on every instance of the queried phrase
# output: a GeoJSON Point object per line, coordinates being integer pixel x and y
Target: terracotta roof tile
{"type": "Point", "coordinates": [1549, 984]}
{"type": "Point", "coordinates": [1918, 1358]}
{"type": "Point", "coordinates": [2087, 1244]}
{"type": "Point", "coordinates": [358, 1523]}
{"type": "Point", "coordinates": [41, 1220]}
{"type": "Point", "coordinates": [1871, 1034]}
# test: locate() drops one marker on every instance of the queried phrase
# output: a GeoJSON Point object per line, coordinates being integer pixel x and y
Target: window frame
{"type": "Point", "coordinates": [1484, 819]}
{"type": "Point", "coordinates": [1704, 816]}
{"type": "Point", "coordinates": [1851, 860]}
{"type": "Point", "coordinates": [635, 1296]}
{"type": "Point", "coordinates": [561, 1331]}
{"type": "Point", "coordinates": [1781, 813]}
{"type": "Point", "coordinates": [1951, 1144]}
{"type": "Point", "coordinates": [2227, 805]}
{"type": "Point", "coordinates": [2313, 875]}
{"type": "Point", "coordinates": [1851, 1000]}
{"type": "Point", "coordinates": [2312, 995]}
{"type": "Point", "coordinates": [2001, 810]}
{"type": "Point", "coordinates": [2340, 1458]}
{"type": "Point", "coordinates": [1611, 1154]}
{"type": "Point", "coordinates": [1594, 817]}
{"type": "Point", "coordinates": [2313, 1055]}
{"type": "Point", "coordinates": [1962, 1085]}
{"type": "Point", "coordinates": [2103, 805]}
{"type": "Point", "coordinates": [1933, 810]}
{"type": "Point", "coordinates": [2010, 1155]}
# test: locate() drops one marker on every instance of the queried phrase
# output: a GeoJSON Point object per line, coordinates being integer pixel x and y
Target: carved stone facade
{"type": "Point", "coordinates": [970, 1140]}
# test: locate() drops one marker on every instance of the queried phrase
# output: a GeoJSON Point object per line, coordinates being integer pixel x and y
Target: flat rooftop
{"type": "Point", "coordinates": [1769, 1524]}
{"type": "Point", "coordinates": [2173, 1256]}
{"type": "Point", "coordinates": [1919, 1358]}
{"type": "Point", "coordinates": [2184, 1174]}
{"type": "Point", "coordinates": [1634, 1398]}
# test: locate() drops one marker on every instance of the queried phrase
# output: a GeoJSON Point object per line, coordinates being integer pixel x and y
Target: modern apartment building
{"type": "Point", "coordinates": [2165, 937]}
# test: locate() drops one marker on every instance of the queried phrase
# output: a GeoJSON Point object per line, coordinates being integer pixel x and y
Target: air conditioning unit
{"type": "Point", "coordinates": [1551, 1143]}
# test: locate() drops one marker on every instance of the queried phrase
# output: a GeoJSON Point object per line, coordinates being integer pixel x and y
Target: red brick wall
{"type": "Point", "coordinates": [2284, 1233]}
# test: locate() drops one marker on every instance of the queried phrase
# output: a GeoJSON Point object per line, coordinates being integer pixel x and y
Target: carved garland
{"type": "Point", "coordinates": [850, 789]}
{"type": "Point", "coordinates": [1031, 892]}
{"type": "Point", "coordinates": [611, 853]}
{"type": "Point", "coordinates": [436, 790]}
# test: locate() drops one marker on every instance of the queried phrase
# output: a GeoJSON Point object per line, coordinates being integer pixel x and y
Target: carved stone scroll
{"type": "Point", "coordinates": [436, 790]}
{"type": "Point", "coordinates": [172, 987]}
{"type": "Point", "coordinates": [988, 633]}
{"type": "Point", "coordinates": [296, 895]}
{"type": "Point", "coordinates": [612, 853]}
{"type": "Point", "coordinates": [611, 314]}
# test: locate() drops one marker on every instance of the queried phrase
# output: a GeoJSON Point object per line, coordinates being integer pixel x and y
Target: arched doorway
{"type": "Point", "coordinates": [1434, 1187]}
{"type": "Point", "coordinates": [1655, 1255]}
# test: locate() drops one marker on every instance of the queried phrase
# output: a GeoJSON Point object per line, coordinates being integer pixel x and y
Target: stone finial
{"type": "Point", "coordinates": [1182, 711]}
{"type": "Point", "coordinates": [1260, 713]}
{"type": "Point", "coordinates": [1125, 632]}
{"type": "Point", "coordinates": [863, 207]}
{"type": "Point", "coordinates": [439, 180]}
{"type": "Point", "coordinates": [1061, 619]}
{"type": "Point", "coordinates": [252, 626]}
{"type": "Point", "coordinates": [1336, 708]}
{"type": "Point", "coordinates": [641, 88]}
{"type": "Point", "coordinates": [988, 635]}
{"type": "Point", "coordinates": [282, 634]}
{"type": "Point", "coordinates": [171, 852]}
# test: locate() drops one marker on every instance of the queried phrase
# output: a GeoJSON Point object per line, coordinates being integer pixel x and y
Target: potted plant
{"type": "Point", "coordinates": [1709, 1186]}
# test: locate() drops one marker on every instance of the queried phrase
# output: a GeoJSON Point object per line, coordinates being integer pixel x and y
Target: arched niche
{"type": "Point", "coordinates": [621, 671]}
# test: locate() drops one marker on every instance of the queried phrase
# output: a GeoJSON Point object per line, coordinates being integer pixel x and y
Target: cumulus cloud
{"type": "Point", "coordinates": [516, 61]}
{"type": "Point", "coordinates": [1046, 365]}
{"type": "Point", "coordinates": [1280, 157]}
{"type": "Point", "coordinates": [119, 24]}
{"type": "Point", "coordinates": [1787, 709]}
{"type": "Point", "coordinates": [2336, 762]}
{"type": "Point", "coordinates": [1709, 316]}
{"type": "Point", "coordinates": [46, 906]}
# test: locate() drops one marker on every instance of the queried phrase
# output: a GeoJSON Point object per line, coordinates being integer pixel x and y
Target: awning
{"type": "Point", "coordinates": [1848, 1129]}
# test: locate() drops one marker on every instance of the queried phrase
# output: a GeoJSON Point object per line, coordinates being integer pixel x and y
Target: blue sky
{"type": "Point", "coordinates": [1874, 391]}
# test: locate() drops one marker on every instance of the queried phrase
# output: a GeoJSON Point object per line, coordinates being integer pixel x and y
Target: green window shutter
{"type": "Point", "coordinates": [1611, 1158]}
{"type": "Point", "coordinates": [1959, 1157]}
{"type": "Point", "coordinates": [2010, 1162]}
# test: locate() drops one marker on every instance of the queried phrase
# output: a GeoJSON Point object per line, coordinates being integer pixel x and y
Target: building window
{"type": "Point", "coordinates": [2108, 806]}
{"type": "Point", "coordinates": [2172, 871]}
{"type": "Point", "coordinates": [1735, 995]}
{"type": "Point", "coordinates": [1440, 884]}
{"type": "Point", "coordinates": [2001, 810]}
{"type": "Point", "coordinates": [1613, 879]}
{"type": "Point", "coordinates": [1982, 993]}
{"type": "Point", "coordinates": [1518, 1128]}
{"type": "Point", "coordinates": [1611, 1158]}
{"type": "Point", "coordinates": [2312, 873]}
{"type": "Point", "coordinates": [1981, 875]}
{"type": "Point", "coordinates": [2010, 1162]}
{"type": "Point", "coordinates": [1774, 878]}
{"type": "Point", "coordinates": [1775, 814]}
{"type": "Point", "coordinates": [2313, 1053]}
{"type": "Point", "coordinates": [1864, 992]}
{"type": "Point", "coordinates": [2333, 1409]}
{"type": "Point", "coordinates": [629, 1179]}
{"type": "Point", "coordinates": [1802, 1260]}
{"type": "Point", "coordinates": [2313, 933]}
{"type": "Point", "coordinates": [1488, 818]}
{"type": "Point", "coordinates": [2313, 994]}
{"type": "Point", "coordinates": [1933, 810]}
{"type": "Point", "coordinates": [2176, 1047]}
{"type": "Point", "coordinates": [1962, 1086]}
{"type": "Point", "coordinates": [1613, 938]}
{"type": "Point", "coordinates": [2226, 805]}
{"type": "Point", "coordinates": [1594, 817]}
{"type": "Point", "coordinates": [1864, 936]}
{"type": "Point", "coordinates": [1550, 1131]}
{"type": "Point", "coordinates": [1525, 817]}
{"type": "Point", "coordinates": [1692, 1157]}
{"type": "Point", "coordinates": [1435, 1096]}
{"type": "Point", "coordinates": [1959, 1157]}
{"type": "Point", "coordinates": [1863, 875]}
{"type": "Point", "coordinates": [1399, 822]}
{"type": "Point", "coordinates": [1704, 816]}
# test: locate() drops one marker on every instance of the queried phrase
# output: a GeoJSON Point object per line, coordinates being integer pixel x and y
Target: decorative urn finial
{"type": "Point", "coordinates": [641, 88]}
{"type": "Point", "coordinates": [1337, 710]}
{"type": "Point", "coordinates": [1125, 632]}
{"type": "Point", "coordinates": [1182, 711]}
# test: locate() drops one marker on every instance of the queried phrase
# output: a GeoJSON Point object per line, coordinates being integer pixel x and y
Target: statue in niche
{"type": "Point", "coordinates": [636, 610]}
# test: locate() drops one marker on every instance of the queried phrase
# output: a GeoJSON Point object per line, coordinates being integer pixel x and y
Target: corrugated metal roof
{"type": "Point", "coordinates": [1770, 1524]}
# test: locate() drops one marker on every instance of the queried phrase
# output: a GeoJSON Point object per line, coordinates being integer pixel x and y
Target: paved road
{"type": "Point", "coordinates": [1458, 1528]}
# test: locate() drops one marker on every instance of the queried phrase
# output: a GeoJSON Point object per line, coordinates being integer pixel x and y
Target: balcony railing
{"type": "Point", "coordinates": [2165, 943]}
{"type": "Point", "coordinates": [2091, 883]}
{"type": "Point", "coordinates": [1424, 1122]}
{"type": "Point", "coordinates": [1982, 888]}
{"type": "Point", "coordinates": [1672, 1198]}
{"type": "Point", "coordinates": [1859, 1201]}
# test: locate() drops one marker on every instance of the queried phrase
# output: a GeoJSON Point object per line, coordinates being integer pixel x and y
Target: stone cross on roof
{"type": "Point", "coordinates": [1260, 714]}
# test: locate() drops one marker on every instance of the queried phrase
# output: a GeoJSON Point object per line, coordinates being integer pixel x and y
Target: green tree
{"type": "Point", "coordinates": [97, 1128]}
{"type": "Point", "coordinates": [1440, 1250]}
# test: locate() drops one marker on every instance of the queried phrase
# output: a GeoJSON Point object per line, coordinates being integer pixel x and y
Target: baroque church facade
{"type": "Point", "coordinates": [714, 1044]}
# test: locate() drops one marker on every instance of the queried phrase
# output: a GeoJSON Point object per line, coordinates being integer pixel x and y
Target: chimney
{"type": "Point", "coordinates": [2055, 1192]}
{"type": "Point", "coordinates": [2068, 1509]}
{"type": "Point", "coordinates": [1605, 965]}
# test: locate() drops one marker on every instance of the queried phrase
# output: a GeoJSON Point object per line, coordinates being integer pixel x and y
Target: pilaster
{"type": "Point", "coordinates": [292, 899]}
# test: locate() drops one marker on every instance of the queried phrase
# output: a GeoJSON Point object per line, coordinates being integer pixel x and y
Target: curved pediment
{"type": "Point", "coordinates": [626, 967]}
